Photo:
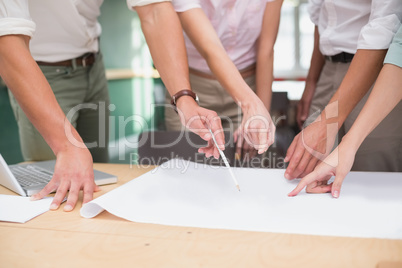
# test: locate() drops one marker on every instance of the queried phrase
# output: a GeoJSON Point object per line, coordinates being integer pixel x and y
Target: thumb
{"type": "Point", "coordinates": [235, 135]}
{"type": "Point", "coordinates": [305, 111]}
{"type": "Point", "coordinates": [200, 128]}
{"type": "Point", "coordinates": [337, 184]}
{"type": "Point", "coordinates": [291, 149]}
{"type": "Point", "coordinates": [97, 188]}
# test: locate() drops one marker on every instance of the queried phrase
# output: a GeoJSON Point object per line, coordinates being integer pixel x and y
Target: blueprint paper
{"type": "Point", "coordinates": [183, 193]}
{"type": "Point", "coordinates": [20, 209]}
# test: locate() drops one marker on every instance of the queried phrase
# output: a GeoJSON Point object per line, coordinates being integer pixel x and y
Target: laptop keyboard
{"type": "Point", "coordinates": [31, 176]}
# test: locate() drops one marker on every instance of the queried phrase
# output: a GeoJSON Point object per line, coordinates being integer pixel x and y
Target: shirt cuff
{"type": "Point", "coordinates": [181, 6]}
{"type": "Point", "coordinates": [395, 50]}
{"type": "Point", "coordinates": [378, 33]}
{"type": "Point", "coordinates": [10, 26]}
{"type": "Point", "coordinates": [136, 3]}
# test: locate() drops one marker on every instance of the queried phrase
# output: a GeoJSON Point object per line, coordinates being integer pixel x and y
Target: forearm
{"type": "Point", "coordinates": [316, 65]}
{"type": "Point", "coordinates": [204, 38]}
{"type": "Point", "coordinates": [165, 40]}
{"type": "Point", "coordinates": [317, 61]}
{"type": "Point", "coordinates": [385, 95]}
{"type": "Point", "coordinates": [32, 91]}
{"type": "Point", "coordinates": [265, 51]}
{"type": "Point", "coordinates": [361, 74]}
{"type": "Point", "coordinates": [229, 77]}
{"type": "Point", "coordinates": [265, 77]}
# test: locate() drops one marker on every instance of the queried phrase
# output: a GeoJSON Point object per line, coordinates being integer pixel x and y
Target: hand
{"type": "Point", "coordinates": [312, 144]}
{"type": "Point", "coordinates": [303, 106]}
{"type": "Point", "coordinates": [256, 127]}
{"type": "Point", "coordinates": [199, 120]}
{"type": "Point", "coordinates": [243, 149]}
{"type": "Point", "coordinates": [73, 172]}
{"type": "Point", "coordinates": [317, 181]}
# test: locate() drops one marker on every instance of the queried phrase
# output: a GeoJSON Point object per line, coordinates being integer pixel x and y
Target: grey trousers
{"type": "Point", "coordinates": [382, 149]}
{"type": "Point", "coordinates": [72, 86]}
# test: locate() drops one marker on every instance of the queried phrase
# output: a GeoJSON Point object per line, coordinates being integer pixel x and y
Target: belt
{"type": "Point", "coordinates": [248, 71]}
{"type": "Point", "coordinates": [341, 57]}
{"type": "Point", "coordinates": [85, 60]}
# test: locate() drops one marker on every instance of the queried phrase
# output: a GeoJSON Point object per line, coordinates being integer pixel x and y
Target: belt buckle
{"type": "Point", "coordinates": [84, 59]}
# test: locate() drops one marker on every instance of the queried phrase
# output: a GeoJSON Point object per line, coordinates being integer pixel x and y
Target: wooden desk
{"type": "Point", "coordinates": [60, 239]}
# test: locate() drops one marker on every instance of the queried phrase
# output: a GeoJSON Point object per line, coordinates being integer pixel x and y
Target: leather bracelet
{"type": "Point", "coordinates": [181, 93]}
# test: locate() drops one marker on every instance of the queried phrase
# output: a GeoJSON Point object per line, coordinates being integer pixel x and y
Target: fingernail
{"type": "Point", "coordinates": [287, 176]}
{"type": "Point", "coordinates": [286, 159]}
{"type": "Point", "coordinates": [53, 206]}
{"type": "Point", "coordinates": [207, 136]}
{"type": "Point", "coordinates": [68, 208]}
{"type": "Point", "coordinates": [237, 156]}
{"type": "Point", "coordinates": [33, 198]}
{"type": "Point", "coordinates": [335, 194]}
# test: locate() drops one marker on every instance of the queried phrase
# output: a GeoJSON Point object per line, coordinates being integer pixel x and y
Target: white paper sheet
{"type": "Point", "coordinates": [182, 193]}
{"type": "Point", "coordinates": [20, 209]}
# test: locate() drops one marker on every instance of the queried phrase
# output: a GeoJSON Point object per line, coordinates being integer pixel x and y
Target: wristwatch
{"type": "Point", "coordinates": [181, 93]}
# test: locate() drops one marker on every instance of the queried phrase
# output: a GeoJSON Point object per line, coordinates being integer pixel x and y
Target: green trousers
{"type": "Point", "coordinates": [82, 94]}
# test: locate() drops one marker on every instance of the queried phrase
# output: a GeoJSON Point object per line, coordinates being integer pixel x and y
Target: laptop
{"type": "Point", "coordinates": [29, 179]}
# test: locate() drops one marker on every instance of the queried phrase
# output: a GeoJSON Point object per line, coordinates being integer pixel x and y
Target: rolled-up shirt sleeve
{"type": "Point", "coordinates": [384, 22]}
{"type": "Point", "coordinates": [15, 18]}
{"type": "Point", "coordinates": [395, 50]}
{"type": "Point", "coordinates": [184, 5]}
{"type": "Point", "coordinates": [136, 3]}
{"type": "Point", "coordinates": [313, 8]}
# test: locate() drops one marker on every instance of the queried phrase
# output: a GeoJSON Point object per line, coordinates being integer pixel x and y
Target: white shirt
{"type": "Point", "coordinates": [134, 3]}
{"type": "Point", "coordinates": [346, 26]}
{"type": "Point", "coordinates": [238, 25]}
{"type": "Point", "coordinates": [15, 19]}
{"type": "Point", "coordinates": [65, 29]}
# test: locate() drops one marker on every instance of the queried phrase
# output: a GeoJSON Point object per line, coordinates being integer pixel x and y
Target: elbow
{"type": "Point", "coordinates": [265, 54]}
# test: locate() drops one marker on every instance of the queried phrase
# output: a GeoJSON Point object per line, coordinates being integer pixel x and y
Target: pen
{"type": "Point", "coordinates": [225, 161]}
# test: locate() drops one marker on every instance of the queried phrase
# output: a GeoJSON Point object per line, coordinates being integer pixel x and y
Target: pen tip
{"type": "Point", "coordinates": [238, 187]}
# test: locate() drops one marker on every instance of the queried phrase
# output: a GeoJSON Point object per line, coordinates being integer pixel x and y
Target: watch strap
{"type": "Point", "coordinates": [181, 93]}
